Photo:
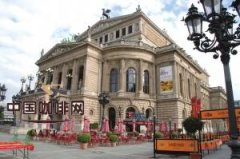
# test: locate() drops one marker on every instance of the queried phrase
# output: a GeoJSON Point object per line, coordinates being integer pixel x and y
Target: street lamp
{"type": "Point", "coordinates": [3, 90]}
{"type": "Point", "coordinates": [30, 78]}
{"type": "Point", "coordinates": [103, 99]}
{"type": "Point", "coordinates": [15, 99]}
{"type": "Point", "coordinates": [223, 43]}
{"type": "Point", "coordinates": [23, 80]}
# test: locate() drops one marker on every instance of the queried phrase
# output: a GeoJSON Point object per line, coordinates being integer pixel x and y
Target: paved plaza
{"type": "Point", "coordinates": [45, 150]}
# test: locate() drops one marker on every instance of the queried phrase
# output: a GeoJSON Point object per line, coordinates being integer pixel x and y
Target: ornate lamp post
{"type": "Point", "coordinates": [103, 99]}
{"type": "Point", "coordinates": [30, 78]}
{"type": "Point", "coordinates": [3, 90]}
{"type": "Point", "coordinates": [15, 99]}
{"type": "Point", "coordinates": [23, 80]}
{"type": "Point", "coordinates": [223, 43]}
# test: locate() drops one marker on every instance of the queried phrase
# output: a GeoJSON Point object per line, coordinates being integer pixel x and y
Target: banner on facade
{"type": "Point", "coordinates": [166, 79]}
{"type": "Point", "coordinates": [179, 145]}
{"type": "Point", "coordinates": [217, 114]}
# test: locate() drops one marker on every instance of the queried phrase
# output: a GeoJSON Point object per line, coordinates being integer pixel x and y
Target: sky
{"type": "Point", "coordinates": [28, 26]}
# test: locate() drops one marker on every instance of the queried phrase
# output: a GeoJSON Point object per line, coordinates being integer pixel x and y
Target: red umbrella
{"type": "Point", "coordinates": [86, 127]}
{"type": "Point", "coordinates": [66, 124]}
{"type": "Point", "coordinates": [105, 126]}
{"type": "Point", "coordinates": [120, 126]}
{"type": "Point", "coordinates": [134, 125]}
{"type": "Point", "coordinates": [48, 123]}
{"type": "Point", "coordinates": [175, 126]}
{"type": "Point", "coordinates": [161, 127]}
{"type": "Point", "coordinates": [72, 127]}
{"type": "Point", "coordinates": [165, 126]}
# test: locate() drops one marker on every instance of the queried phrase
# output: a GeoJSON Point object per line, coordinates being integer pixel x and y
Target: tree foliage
{"type": "Point", "coordinates": [1, 112]}
{"type": "Point", "coordinates": [192, 125]}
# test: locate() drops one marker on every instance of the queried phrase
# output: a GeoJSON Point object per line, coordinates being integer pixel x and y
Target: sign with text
{"type": "Point", "coordinates": [178, 146]}
{"type": "Point", "coordinates": [52, 107]}
{"type": "Point", "coordinates": [217, 114]}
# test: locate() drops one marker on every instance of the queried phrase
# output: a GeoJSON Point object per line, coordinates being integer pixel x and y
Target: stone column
{"type": "Point", "coordinates": [105, 83]}
{"type": "Point", "coordinates": [140, 78]}
{"type": "Point", "coordinates": [75, 76]}
{"type": "Point", "coordinates": [64, 79]}
{"type": "Point", "coordinates": [122, 77]}
{"type": "Point", "coordinates": [152, 81]}
{"type": "Point", "coordinates": [55, 77]}
{"type": "Point", "coordinates": [45, 78]}
{"type": "Point", "coordinates": [84, 73]}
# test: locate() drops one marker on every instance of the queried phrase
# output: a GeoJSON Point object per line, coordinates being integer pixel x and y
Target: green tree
{"type": "Point", "coordinates": [1, 112]}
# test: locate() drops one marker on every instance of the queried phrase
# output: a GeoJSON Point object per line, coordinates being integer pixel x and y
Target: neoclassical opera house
{"type": "Point", "coordinates": [137, 66]}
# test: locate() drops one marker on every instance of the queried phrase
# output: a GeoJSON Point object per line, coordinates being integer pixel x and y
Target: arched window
{"type": "Point", "coordinates": [131, 80]}
{"type": "Point", "coordinates": [112, 117]}
{"type": "Point", "coordinates": [130, 112]}
{"type": "Point", "coordinates": [148, 113]}
{"type": "Point", "coordinates": [80, 76]}
{"type": "Point", "coordinates": [146, 82]}
{"type": "Point", "coordinates": [114, 80]}
{"type": "Point", "coordinates": [59, 79]}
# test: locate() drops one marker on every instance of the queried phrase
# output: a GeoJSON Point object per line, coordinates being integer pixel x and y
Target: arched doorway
{"type": "Point", "coordinates": [148, 113]}
{"type": "Point", "coordinates": [112, 118]}
{"type": "Point", "coordinates": [129, 116]}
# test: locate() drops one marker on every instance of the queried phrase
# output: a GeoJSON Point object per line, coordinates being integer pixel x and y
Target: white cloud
{"type": "Point", "coordinates": [27, 26]}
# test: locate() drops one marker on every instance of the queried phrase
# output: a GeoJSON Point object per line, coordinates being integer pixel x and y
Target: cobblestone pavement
{"type": "Point", "coordinates": [45, 150]}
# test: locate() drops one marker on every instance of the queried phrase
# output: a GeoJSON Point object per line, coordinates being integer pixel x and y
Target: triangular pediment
{"type": "Point", "coordinates": [106, 23]}
{"type": "Point", "coordinates": [57, 49]}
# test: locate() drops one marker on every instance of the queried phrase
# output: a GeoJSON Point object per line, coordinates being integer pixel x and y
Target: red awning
{"type": "Point", "coordinates": [45, 121]}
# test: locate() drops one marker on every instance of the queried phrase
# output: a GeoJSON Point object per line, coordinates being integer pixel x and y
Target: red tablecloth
{"type": "Point", "coordinates": [15, 145]}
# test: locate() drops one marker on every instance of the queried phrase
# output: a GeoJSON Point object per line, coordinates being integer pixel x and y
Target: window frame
{"type": "Point", "coordinates": [114, 83]}
{"type": "Point", "coordinates": [128, 78]}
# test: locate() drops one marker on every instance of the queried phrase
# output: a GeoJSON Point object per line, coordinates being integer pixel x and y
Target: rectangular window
{"type": "Point", "coordinates": [117, 34]}
{"type": "Point", "coordinates": [69, 79]}
{"type": "Point", "coordinates": [106, 38]}
{"type": "Point", "coordinates": [123, 31]}
{"type": "Point", "coordinates": [100, 40]}
{"type": "Point", "coordinates": [59, 79]}
{"type": "Point", "coordinates": [130, 29]}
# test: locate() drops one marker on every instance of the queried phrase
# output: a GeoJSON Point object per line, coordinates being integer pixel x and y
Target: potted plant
{"type": "Point", "coordinates": [31, 133]}
{"type": "Point", "coordinates": [192, 125]}
{"type": "Point", "coordinates": [158, 135]}
{"type": "Point", "coordinates": [94, 126]}
{"type": "Point", "coordinates": [113, 138]}
{"type": "Point", "coordinates": [84, 139]}
{"type": "Point", "coordinates": [174, 135]}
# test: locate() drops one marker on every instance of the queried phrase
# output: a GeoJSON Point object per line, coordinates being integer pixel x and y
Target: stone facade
{"type": "Point", "coordinates": [153, 74]}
